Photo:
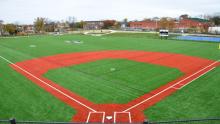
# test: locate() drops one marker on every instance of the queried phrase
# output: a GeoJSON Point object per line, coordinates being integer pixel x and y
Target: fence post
{"type": "Point", "coordinates": [12, 121]}
{"type": "Point", "coordinates": [146, 121]}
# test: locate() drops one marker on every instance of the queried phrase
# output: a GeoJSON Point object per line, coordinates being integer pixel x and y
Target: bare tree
{"type": "Point", "coordinates": [71, 21]}
{"type": "Point", "coordinates": [39, 24]}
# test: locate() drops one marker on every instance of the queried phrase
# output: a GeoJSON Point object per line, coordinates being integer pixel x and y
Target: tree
{"type": "Point", "coordinates": [79, 24]}
{"type": "Point", "coordinates": [10, 28]}
{"type": "Point", "coordinates": [125, 22]}
{"type": "Point", "coordinates": [166, 23]}
{"type": "Point", "coordinates": [108, 23]}
{"type": "Point", "coordinates": [39, 24]}
{"type": "Point", "coordinates": [71, 21]}
{"type": "Point", "coordinates": [216, 20]}
{"type": "Point", "coordinates": [117, 25]}
{"type": "Point", "coordinates": [184, 16]}
{"type": "Point", "coordinates": [1, 27]}
{"type": "Point", "coordinates": [49, 26]}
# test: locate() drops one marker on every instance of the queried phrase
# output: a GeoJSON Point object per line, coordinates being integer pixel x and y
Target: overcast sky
{"type": "Point", "coordinates": [24, 11]}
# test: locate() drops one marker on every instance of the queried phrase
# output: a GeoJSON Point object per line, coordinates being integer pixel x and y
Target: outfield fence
{"type": "Point", "coordinates": [189, 121]}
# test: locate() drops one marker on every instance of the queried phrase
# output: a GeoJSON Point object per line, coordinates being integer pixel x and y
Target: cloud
{"type": "Point", "coordinates": [25, 11]}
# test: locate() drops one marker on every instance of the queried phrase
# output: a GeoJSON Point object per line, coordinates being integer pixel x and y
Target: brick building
{"type": "Point", "coordinates": [147, 25]}
{"type": "Point", "coordinates": [183, 24]}
{"type": "Point", "coordinates": [190, 23]}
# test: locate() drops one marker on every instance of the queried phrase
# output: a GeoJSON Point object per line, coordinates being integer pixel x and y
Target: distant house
{"type": "Point", "coordinates": [147, 25]}
{"type": "Point", "coordinates": [93, 25]}
{"type": "Point", "coordinates": [62, 27]}
{"type": "Point", "coordinates": [29, 29]}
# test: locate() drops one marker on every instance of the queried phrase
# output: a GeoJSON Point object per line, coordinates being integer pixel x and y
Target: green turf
{"type": "Point", "coordinates": [33, 103]}
{"type": "Point", "coordinates": [23, 100]}
{"type": "Point", "coordinates": [113, 81]}
{"type": "Point", "coordinates": [200, 99]}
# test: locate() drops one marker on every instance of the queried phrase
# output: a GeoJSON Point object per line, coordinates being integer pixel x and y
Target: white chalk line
{"type": "Point", "coordinates": [183, 85]}
{"type": "Point", "coordinates": [115, 116]}
{"type": "Point", "coordinates": [48, 84]}
{"type": "Point", "coordinates": [170, 87]}
{"type": "Point", "coordinates": [197, 77]}
{"type": "Point", "coordinates": [103, 116]}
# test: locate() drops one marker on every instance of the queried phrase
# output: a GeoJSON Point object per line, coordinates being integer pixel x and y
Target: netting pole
{"type": "Point", "coordinates": [12, 121]}
{"type": "Point", "coordinates": [146, 121]}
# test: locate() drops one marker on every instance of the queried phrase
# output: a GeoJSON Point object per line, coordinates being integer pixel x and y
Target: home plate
{"type": "Point", "coordinates": [109, 117]}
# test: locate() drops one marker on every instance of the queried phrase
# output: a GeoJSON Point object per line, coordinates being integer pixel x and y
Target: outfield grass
{"type": "Point", "coordinates": [24, 100]}
{"type": "Point", "coordinates": [113, 81]}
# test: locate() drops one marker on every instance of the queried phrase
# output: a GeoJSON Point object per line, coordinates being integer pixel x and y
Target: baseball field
{"type": "Point", "coordinates": [119, 77]}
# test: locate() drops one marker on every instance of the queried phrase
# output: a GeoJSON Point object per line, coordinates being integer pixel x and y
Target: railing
{"type": "Point", "coordinates": [190, 121]}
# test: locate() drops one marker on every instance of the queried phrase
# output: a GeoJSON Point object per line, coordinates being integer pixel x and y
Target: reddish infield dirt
{"type": "Point", "coordinates": [192, 67]}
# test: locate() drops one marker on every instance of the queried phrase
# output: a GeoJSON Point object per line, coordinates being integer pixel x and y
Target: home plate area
{"type": "Point", "coordinates": [102, 117]}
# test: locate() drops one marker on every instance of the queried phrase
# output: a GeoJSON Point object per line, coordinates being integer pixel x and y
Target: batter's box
{"type": "Point", "coordinates": [95, 117]}
{"type": "Point", "coordinates": [122, 117]}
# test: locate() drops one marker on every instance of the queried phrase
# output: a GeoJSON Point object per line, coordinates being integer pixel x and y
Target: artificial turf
{"type": "Point", "coordinates": [24, 100]}
{"type": "Point", "coordinates": [200, 99]}
{"type": "Point", "coordinates": [113, 80]}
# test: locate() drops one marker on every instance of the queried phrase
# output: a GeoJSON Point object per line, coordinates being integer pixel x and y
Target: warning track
{"type": "Point", "coordinates": [192, 67]}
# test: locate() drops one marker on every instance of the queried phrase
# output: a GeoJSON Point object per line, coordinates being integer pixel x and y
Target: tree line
{"type": "Point", "coordinates": [42, 25]}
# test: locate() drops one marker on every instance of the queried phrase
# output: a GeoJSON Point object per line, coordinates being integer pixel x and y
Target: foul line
{"type": "Point", "coordinates": [48, 84]}
{"type": "Point", "coordinates": [172, 86]}
{"type": "Point", "coordinates": [196, 78]}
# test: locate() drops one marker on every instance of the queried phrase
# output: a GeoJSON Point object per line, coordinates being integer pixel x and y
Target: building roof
{"type": "Point", "coordinates": [199, 19]}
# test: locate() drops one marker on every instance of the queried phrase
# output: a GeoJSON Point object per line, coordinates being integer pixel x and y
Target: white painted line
{"type": "Point", "coordinates": [170, 87]}
{"type": "Point", "coordinates": [176, 88]}
{"type": "Point", "coordinates": [129, 116]}
{"type": "Point", "coordinates": [87, 120]}
{"type": "Point", "coordinates": [48, 84]}
{"type": "Point", "coordinates": [103, 116]}
{"type": "Point", "coordinates": [196, 78]}
{"type": "Point", "coordinates": [114, 117]}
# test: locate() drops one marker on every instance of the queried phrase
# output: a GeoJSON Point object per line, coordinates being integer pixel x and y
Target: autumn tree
{"type": "Point", "coordinates": [108, 23]}
{"type": "Point", "coordinates": [39, 24]}
{"type": "Point", "coordinates": [10, 28]}
{"type": "Point", "coordinates": [167, 23]}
